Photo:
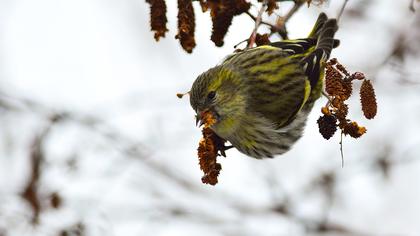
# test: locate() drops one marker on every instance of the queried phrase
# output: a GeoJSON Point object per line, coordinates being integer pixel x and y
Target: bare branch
{"type": "Point", "coordinates": [251, 40]}
{"type": "Point", "coordinates": [280, 26]}
{"type": "Point", "coordinates": [293, 10]}
{"type": "Point", "coordinates": [411, 7]}
{"type": "Point", "coordinates": [30, 193]}
{"type": "Point", "coordinates": [262, 22]}
{"type": "Point", "coordinates": [340, 13]}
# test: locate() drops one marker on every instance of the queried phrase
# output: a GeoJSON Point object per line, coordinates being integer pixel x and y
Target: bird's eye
{"type": "Point", "coordinates": [211, 95]}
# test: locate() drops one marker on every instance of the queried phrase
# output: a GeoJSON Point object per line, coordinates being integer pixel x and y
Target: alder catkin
{"type": "Point", "coordinates": [158, 18]}
{"type": "Point", "coordinates": [186, 25]}
{"type": "Point", "coordinates": [222, 13]}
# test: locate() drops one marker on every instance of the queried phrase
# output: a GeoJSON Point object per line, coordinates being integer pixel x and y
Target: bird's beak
{"type": "Point", "coordinates": [202, 117]}
{"type": "Point", "coordinates": [198, 120]}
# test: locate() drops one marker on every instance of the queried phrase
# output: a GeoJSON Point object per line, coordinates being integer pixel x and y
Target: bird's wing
{"type": "Point", "coordinates": [276, 84]}
{"type": "Point", "coordinates": [296, 46]}
{"type": "Point", "coordinates": [280, 77]}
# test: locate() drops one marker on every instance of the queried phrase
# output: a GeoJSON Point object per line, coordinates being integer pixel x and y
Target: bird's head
{"type": "Point", "coordinates": [218, 91]}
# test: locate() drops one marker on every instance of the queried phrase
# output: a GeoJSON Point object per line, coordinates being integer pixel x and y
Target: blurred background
{"type": "Point", "coordinates": [93, 140]}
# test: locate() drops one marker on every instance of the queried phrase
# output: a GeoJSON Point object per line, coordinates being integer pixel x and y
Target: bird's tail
{"type": "Point", "coordinates": [319, 27]}
{"type": "Point", "coordinates": [322, 18]}
{"type": "Point", "coordinates": [323, 31]}
{"type": "Point", "coordinates": [326, 37]}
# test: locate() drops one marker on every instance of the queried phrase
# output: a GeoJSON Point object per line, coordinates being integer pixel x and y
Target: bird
{"type": "Point", "coordinates": [261, 97]}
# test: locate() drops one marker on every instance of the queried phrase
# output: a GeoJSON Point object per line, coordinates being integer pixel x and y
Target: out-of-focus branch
{"type": "Point", "coordinates": [292, 11]}
{"type": "Point", "coordinates": [280, 26]}
{"type": "Point", "coordinates": [411, 7]}
{"type": "Point", "coordinates": [30, 193]}
{"type": "Point", "coordinates": [123, 144]}
{"type": "Point", "coordinates": [325, 182]}
{"type": "Point", "coordinates": [129, 148]}
{"type": "Point", "coordinates": [255, 19]}
{"type": "Point", "coordinates": [340, 13]}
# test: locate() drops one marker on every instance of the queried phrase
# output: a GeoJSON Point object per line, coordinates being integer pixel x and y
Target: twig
{"type": "Point", "coordinates": [411, 7]}
{"type": "Point", "coordinates": [280, 26]}
{"type": "Point", "coordinates": [258, 20]}
{"type": "Point", "coordinates": [243, 41]}
{"type": "Point", "coordinates": [340, 13]}
{"type": "Point", "coordinates": [255, 19]}
{"type": "Point", "coordinates": [293, 10]}
{"type": "Point", "coordinates": [327, 96]}
{"type": "Point", "coordinates": [121, 142]}
{"type": "Point", "coordinates": [31, 192]}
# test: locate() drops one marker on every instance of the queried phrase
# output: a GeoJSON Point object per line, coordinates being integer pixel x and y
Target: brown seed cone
{"type": "Point", "coordinates": [327, 126]}
{"type": "Point", "coordinates": [333, 84]}
{"type": "Point", "coordinates": [211, 176]}
{"type": "Point", "coordinates": [207, 155]}
{"type": "Point", "coordinates": [347, 88]}
{"type": "Point", "coordinates": [208, 150]}
{"type": "Point", "coordinates": [341, 109]}
{"type": "Point", "coordinates": [222, 13]}
{"type": "Point", "coordinates": [186, 25]}
{"type": "Point", "coordinates": [158, 18]}
{"type": "Point", "coordinates": [342, 122]}
{"type": "Point", "coordinates": [262, 39]}
{"type": "Point", "coordinates": [354, 130]}
{"type": "Point", "coordinates": [368, 99]}
{"type": "Point", "coordinates": [342, 112]}
{"type": "Point", "coordinates": [221, 24]}
{"type": "Point", "coordinates": [337, 102]}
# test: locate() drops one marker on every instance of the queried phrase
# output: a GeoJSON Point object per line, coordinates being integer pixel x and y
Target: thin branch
{"type": "Point", "coordinates": [31, 191]}
{"type": "Point", "coordinates": [255, 19]}
{"type": "Point", "coordinates": [327, 96]}
{"type": "Point", "coordinates": [340, 13]}
{"type": "Point", "coordinates": [280, 26]}
{"type": "Point", "coordinates": [243, 41]}
{"type": "Point", "coordinates": [411, 7]}
{"type": "Point", "coordinates": [293, 10]}
{"type": "Point", "coordinates": [258, 20]}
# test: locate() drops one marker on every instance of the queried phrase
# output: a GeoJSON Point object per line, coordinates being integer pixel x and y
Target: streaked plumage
{"type": "Point", "coordinates": [261, 97]}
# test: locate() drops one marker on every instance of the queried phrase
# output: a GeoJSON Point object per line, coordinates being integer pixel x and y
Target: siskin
{"type": "Point", "coordinates": [261, 97]}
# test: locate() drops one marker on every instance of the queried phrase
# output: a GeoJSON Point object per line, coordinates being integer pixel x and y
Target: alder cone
{"type": "Point", "coordinates": [354, 130]}
{"type": "Point", "coordinates": [368, 99]}
{"type": "Point", "coordinates": [327, 126]}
